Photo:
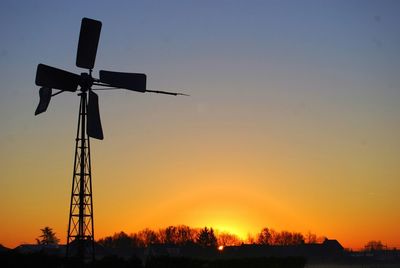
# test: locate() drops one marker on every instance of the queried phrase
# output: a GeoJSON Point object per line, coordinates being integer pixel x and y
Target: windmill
{"type": "Point", "coordinates": [80, 238]}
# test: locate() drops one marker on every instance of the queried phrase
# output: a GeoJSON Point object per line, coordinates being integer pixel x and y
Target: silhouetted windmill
{"type": "Point", "coordinates": [81, 224]}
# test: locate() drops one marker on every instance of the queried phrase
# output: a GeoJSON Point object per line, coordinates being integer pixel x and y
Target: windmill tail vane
{"type": "Point", "coordinates": [80, 237]}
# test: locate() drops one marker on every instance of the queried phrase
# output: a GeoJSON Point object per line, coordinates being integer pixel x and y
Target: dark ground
{"type": "Point", "coordinates": [16, 260]}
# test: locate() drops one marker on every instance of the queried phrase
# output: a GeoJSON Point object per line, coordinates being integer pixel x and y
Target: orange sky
{"type": "Point", "coordinates": [293, 120]}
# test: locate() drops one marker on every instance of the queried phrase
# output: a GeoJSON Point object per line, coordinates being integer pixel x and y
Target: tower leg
{"type": "Point", "coordinates": [80, 239]}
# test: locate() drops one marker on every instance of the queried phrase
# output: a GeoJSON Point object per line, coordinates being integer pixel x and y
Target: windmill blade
{"type": "Point", "coordinates": [88, 42]}
{"type": "Point", "coordinates": [50, 77]}
{"type": "Point", "coordinates": [167, 92]}
{"type": "Point", "coordinates": [45, 96]}
{"type": "Point", "coordinates": [94, 128]}
{"type": "Point", "coordinates": [130, 81]}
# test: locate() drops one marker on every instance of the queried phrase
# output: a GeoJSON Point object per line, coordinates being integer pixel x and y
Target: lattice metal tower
{"type": "Point", "coordinates": [81, 224]}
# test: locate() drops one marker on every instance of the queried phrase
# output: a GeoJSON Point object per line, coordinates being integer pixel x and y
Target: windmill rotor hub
{"type": "Point", "coordinates": [86, 82]}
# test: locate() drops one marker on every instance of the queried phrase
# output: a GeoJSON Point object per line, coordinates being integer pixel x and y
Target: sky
{"type": "Point", "coordinates": [293, 119]}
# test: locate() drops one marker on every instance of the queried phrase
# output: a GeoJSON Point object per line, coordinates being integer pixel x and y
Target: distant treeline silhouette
{"type": "Point", "coordinates": [185, 235]}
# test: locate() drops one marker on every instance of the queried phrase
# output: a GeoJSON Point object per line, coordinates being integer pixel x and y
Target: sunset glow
{"type": "Point", "coordinates": [293, 119]}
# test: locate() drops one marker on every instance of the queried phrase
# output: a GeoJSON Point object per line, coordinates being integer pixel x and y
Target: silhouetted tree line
{"type": "Point", "coordinates": [375, 246]}
{"type": "Point", "coordinates": [207, 237]}
{"type": "Point", "coordinates": [174, 235]}
{"type": "Point", "coordinates": [285, 238]}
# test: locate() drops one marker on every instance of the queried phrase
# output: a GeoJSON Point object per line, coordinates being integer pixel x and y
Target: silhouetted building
{"type": "Point", "coordinates": [3, 248]}
{"type": "Point", "coordinates": [35, 248]}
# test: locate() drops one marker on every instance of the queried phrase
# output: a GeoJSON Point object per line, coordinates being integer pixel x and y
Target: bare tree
{"type": "Point", "coordinates": [297, 239]}
{"type": "Point", "coordinates": [178, 235]}
{"type": "Point", "coordinates": [283, 238]}
{"type": "Point", "coordinates": [169, 235]}
{"type": "Point", "coordinates": [228, 239]}
{"type": "Point", "coordinates": [286, 238]}
{"type": "Point", "coordinates": [185, 235]}
{"type": "Point", "coordinates": [148, 237]}
{"type": "Point", "coordinates": [374, 245]}
{"type": "Point", "coordinates": [264, 237]}
{"type": "Point", "coordinates": [250, 239]}
{"type": "Point", "coordinates": [310, 238]}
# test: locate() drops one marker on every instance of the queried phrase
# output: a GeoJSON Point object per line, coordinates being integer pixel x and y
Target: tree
{"type": "Point", "coordinates": [185, 235]}
{"type": "Point", "coordinates": [311, 238]}
{"type": "Point", "coordinates": [206, 238]}
{"type": "Point", "coordinates": [170, 236]}
{"type": "Point", "coordinates": [228, 239]}
{"type": "Point", "coordinates": [148, 237]}
{"type": "Point", "coordinates": [374, 245]}
{"type": "Point", "coordinates": [177, 235]}
{"type": "Point", "coordinates": [297, 239]}
{"type": "Point", "coordinates": [106, 242]}
{"type": "Point", "coordinates": [121, 240]}
{"type": "Point", "coordinates": [264, 237]}
{"type": "Point", "coordinates": [285, 238]}
{"type": "Point", "coordinates": [48, 237]}
{"type": "Point", "coordinates": [250, 239]}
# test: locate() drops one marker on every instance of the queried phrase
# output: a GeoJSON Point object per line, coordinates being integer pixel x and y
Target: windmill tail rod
{"type": "Point", "coordinates": [55, 94]}
{"type": "Point", "coordinates": [167, 93]}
